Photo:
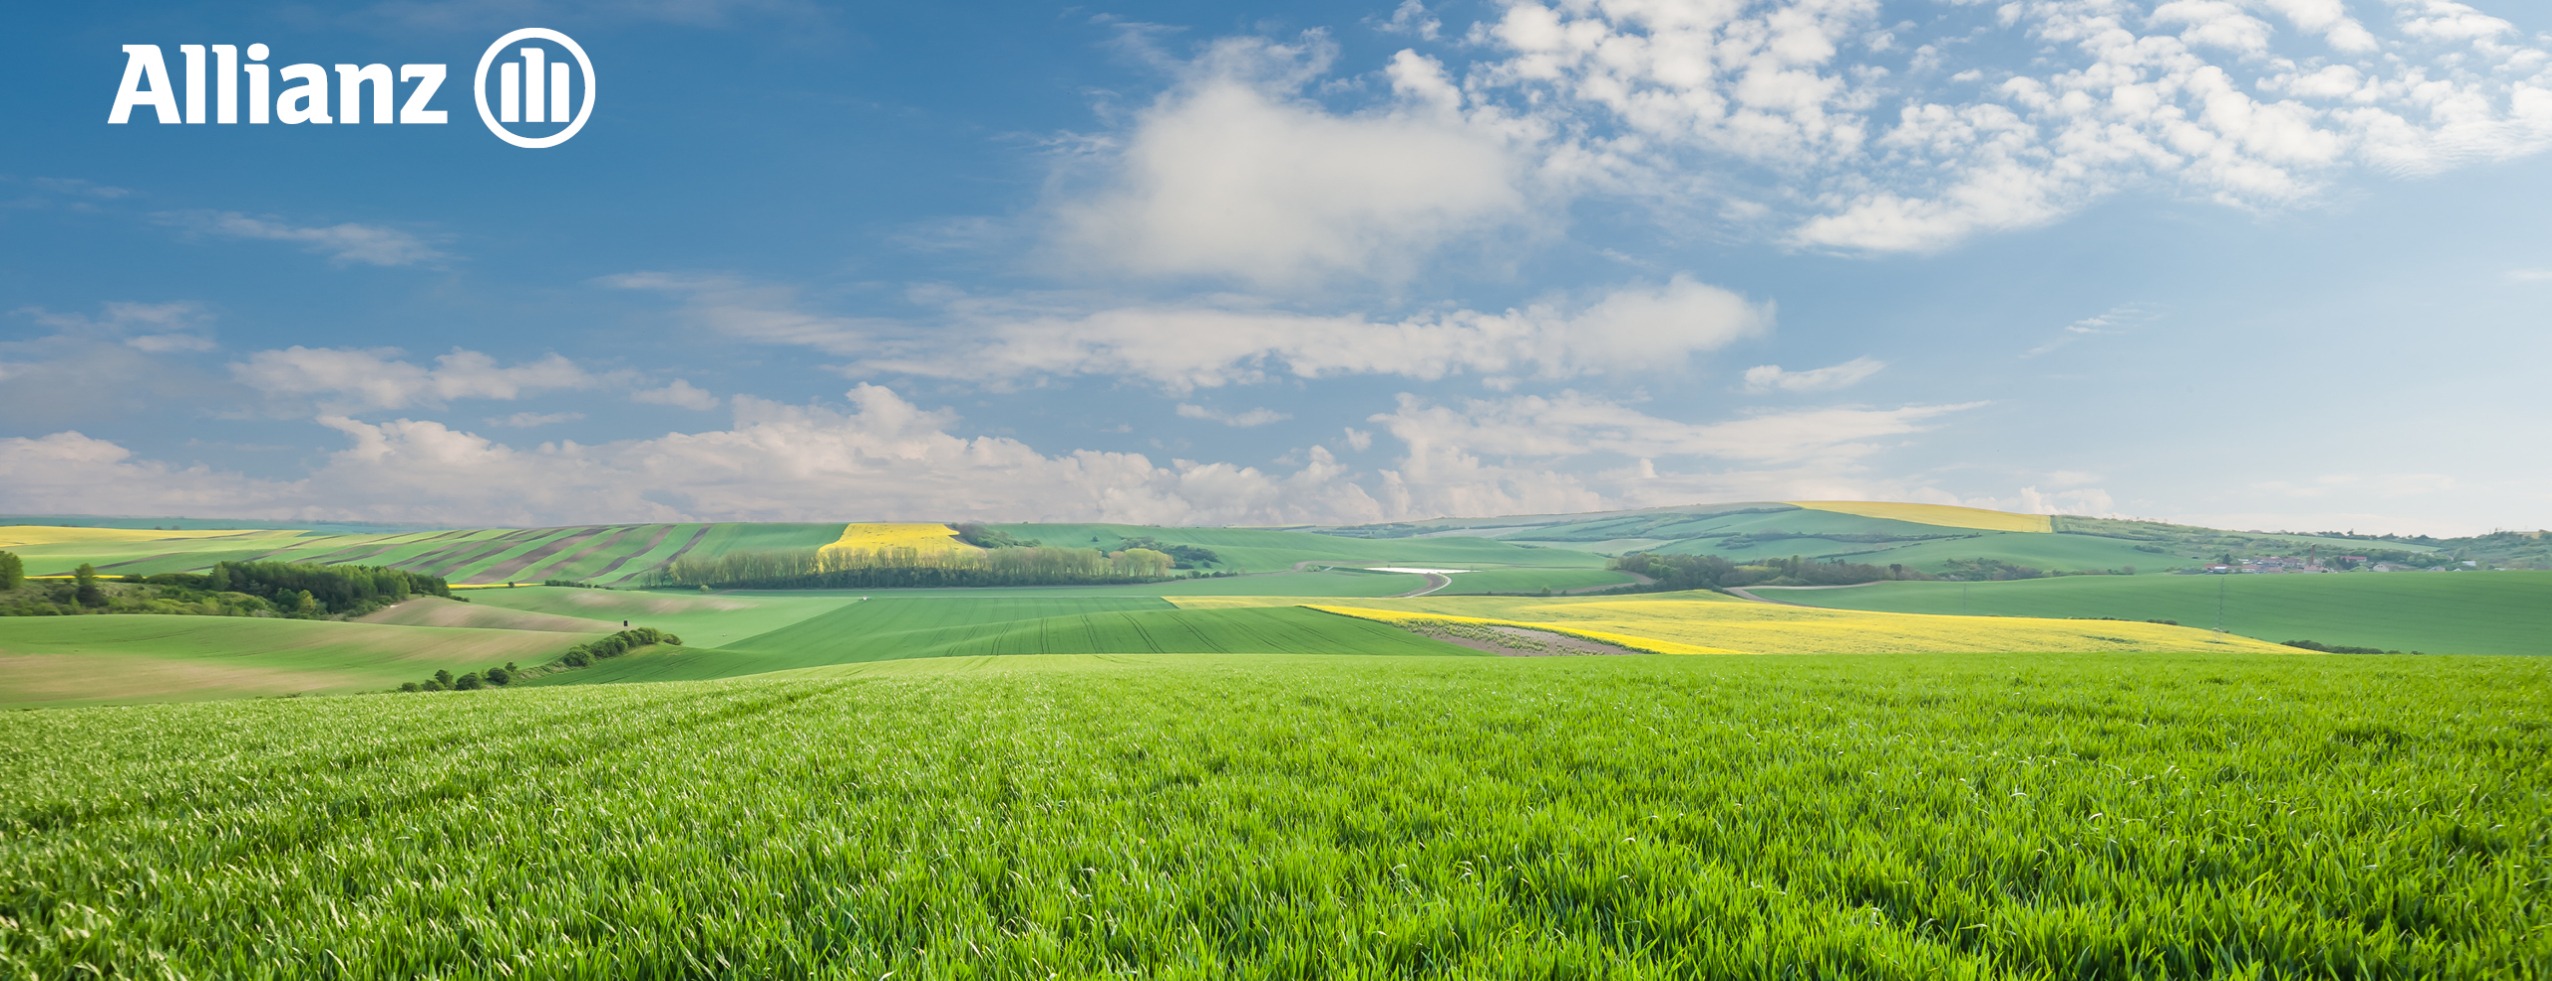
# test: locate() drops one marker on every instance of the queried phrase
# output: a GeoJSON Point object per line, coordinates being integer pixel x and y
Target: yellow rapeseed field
{"type": "Point", "coordinates": [11, 535]}
{"type": "Point", "coordinates": [872, 537]}
{"type": "Point", "coordinates": [1708, 623]}
{"type": "Point", "coordinates": [1936, 514]}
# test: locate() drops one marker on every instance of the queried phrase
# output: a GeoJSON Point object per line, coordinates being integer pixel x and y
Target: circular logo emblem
{"type": "Point", "coordinates": [530, 95]}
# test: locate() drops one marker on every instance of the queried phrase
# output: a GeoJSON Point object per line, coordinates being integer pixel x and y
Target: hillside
{"type": "Point", "coordinates": [1570, 548]}
{"type": "Point", "coordinates": [2440, 613]}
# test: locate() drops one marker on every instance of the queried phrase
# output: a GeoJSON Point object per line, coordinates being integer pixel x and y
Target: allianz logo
{"type": "Point", "coordinates": [535, 102]}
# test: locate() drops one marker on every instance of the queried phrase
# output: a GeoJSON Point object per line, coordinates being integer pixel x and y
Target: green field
{"type": "Point", "coordinates": [106, 659]}
{"type": "Point", "coordinates": [1534, 581]}
{"type": "Point", "coordinates": [899, 629]}
{"type": "Point", "coordinates": [2455, 613]}
{"type": "Point", "coordinates": [1268, 550]}
{"type": "Point", "coordinates": [1223, 816]}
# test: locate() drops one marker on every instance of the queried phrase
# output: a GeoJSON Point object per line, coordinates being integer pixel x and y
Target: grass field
{"type": "Point", "coordinates": [901, 629]}
{"type": "Point", "coordinates": [1211, 817]}
{"type": "Point", "coordinates": [1535, 580]}
{"type": "Point", "coordinates": [2460, 613]}
{"type": "Point", "coordinates": [109, 659]}
{"type": "Point", "coordinates": [1262, 550]}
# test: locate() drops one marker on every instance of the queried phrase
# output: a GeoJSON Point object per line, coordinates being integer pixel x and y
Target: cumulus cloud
{"type": "Point", "coordinates": [1774, 378]}
{"type": "Point", "coordinates": [347, 243]}
{"type": "Point", "coordinates": [354, 379]}
{"type": "Point", "coordinates": [1182, 347]}
{"type": "Point", "coordinates": [682, 394]}
{"type": "Point", "coordinates": [1234, 175]}
{"type": "Point", "coordinates": [881, 456]}
{"type": "Point", "coordinates": [1876, 137]}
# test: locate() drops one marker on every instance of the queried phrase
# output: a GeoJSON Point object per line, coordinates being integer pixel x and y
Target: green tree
{"type": "Point", "coordinates": [443, 678]}
{"type": "Point", "coordinates": [13, 570]}
{"type": "Point", "coordinates": [86, 591]}
{"type": "Point", "coordinates": [467, 682]}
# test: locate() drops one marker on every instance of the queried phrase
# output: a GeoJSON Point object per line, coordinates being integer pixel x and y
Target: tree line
{"type": "Point", "coordinates": [886, 568]}
{"type": "Point", "coordinates": [267, 589]}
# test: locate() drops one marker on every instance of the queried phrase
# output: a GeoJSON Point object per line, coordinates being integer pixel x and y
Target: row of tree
{"type": "Point", "coordinates": [1681, 572]}
{"type": "Point", "coordinates": [840, 568]}
{"type": "Point", "coordinates": [334, 589]}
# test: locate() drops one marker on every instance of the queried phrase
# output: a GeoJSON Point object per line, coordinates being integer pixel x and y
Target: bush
{"type": "Point", "coordinates": [468, 682]}
{"type": "Point", "coordinates": [412, 686]}
{"type": "Point", "coordinates": [13, 570]}
{"type": "Point", "coordinates": [499, 676]}
{"type": "Point", "coordinates": [2334, 648]}
{"type": "Point", "coordinates": [86, 590]}
{"type": "Point", "coordinates": [576, 657]}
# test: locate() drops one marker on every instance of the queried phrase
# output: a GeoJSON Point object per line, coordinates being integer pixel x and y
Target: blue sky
{"type": "Point", "coordinates": [2256, 263]}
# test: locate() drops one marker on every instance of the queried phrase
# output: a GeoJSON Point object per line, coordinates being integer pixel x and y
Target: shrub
{"type": "Point", "coordinates": [468, 682]}
{"type": "Point", "coordinates": [499, 676]}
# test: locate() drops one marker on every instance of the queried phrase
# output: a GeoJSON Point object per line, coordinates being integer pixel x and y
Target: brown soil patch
{"type": "Point", "coordinates": [435, 611]}
{"type": "Point", "coordinates": [1506, 641]}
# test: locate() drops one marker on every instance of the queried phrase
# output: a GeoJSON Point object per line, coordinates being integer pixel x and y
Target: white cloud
{"type": "Point", "coordinates": [681, 395]}
{"type": "Point", "coordinates": [1576, 452]}
{"type": "Point", "coordinates": [534, 420]}
{"type": "Point", "coordinates": [883, 457]}
{"type": "Point", "coordinates": [91, 367]}
{"type": "Point", "coordinates": [1233, 175]}
{"type": "Point", "coordinates": [1237, 420]}
{"type": "Point", "coordinates": [352, 379]}
{"type": "Point", "coordinates": [2116, 320]}
{"type": "Point", "coordinates": [1627, 331]}
{"type": "Point", "coordinates": [346, 243]}
{"type": "Point", "coordinates": [880, 457]}
{"type": "Point", "coordinates": [1227, 340]}
{"type": "Point", "coordinates": [1774, 378]}
{"type": "Point", "coordinates": [152, 328]}
{"type": "Point", "coordinates": [1866, 138]}
{"type": "Point", "coordinates": [757, 312]}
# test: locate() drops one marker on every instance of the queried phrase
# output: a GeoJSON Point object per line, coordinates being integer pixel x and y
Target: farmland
{"type": "Point", "coordinates": [2463, 613]}
{"type": "Point", "coordinates": [1275, 816]}
{"type": "Point", "coordinates": [1296, 766]}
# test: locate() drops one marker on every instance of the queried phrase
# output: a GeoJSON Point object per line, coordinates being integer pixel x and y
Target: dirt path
{"type": "Point", "coordinates": [1435, 581]}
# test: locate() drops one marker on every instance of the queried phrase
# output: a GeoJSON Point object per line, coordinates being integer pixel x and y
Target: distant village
{"type": "Point", "coordinates": [2313, 562]}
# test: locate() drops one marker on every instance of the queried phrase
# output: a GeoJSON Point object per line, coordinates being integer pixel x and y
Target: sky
{"type": "Point", "coordinates": [2272, 264]}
